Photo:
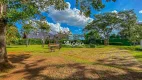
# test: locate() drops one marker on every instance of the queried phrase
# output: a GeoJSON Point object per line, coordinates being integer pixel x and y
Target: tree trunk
{"type": "Point", "coordinates": [3, 52]}
{"type": "Point", "coordinates": [4, 63]}
{"type": "Point", "coordinates": [43, 43]}
{"type": "Point", "coordinates": [141, 43]}
{"type": "Point", "coordinates": [106, 42]}
{"type": "Point", "coordinates": [27, 42]}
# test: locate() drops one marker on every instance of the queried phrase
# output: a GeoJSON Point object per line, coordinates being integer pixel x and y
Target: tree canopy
{"type": "Point", "coordinates": [104, 24]}
{"type": "Point", "coordinates": [87, 5]}
{"type": "Point", "coordinates": [124, 21]}
{"type": "Point", "coordinates": [26, 9]}
{"type": "Point", "coordinates": [128, 24]}
{"type": "Point", "coordinates": [11, 34]}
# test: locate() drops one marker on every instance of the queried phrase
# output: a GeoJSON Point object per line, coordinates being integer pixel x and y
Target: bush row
{"type": "Point", "coordinates": [96, 42]}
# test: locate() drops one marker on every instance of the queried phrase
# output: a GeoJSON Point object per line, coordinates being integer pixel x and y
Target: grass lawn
{"type": "Point", "coordinates": [134, 50]}
{"type": "Point", "coordinates": [106, 63]}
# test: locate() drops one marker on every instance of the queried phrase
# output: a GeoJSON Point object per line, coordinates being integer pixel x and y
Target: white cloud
{"type": "Point", "coordinates": [140, 11]}
{"type": "Point", "coordinates": [55, 28]}
{"type": "Point", "coordinates": [139, 22]}
{"type": "Point", "coordinates": [69, 16]}
{"type": "Point", "coordinates": [114, 11]}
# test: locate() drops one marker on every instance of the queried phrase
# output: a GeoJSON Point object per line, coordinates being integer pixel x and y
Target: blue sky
{"type": "Point", "coordinates": [71, 19]}
{"type": "Point", "coordinates": [119, 5]}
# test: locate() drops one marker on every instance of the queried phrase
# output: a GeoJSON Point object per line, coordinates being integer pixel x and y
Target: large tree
{"type": "Point", "coordinates": [12, 11]}
{"type": "Point", "coordinates": [26, 29]}
{"type": "Point", "coordinates": [137, 33]}
{"type": "Point", "coordinates": [128, 25]}
{"type": "Point", "coordinates": [44, 28]}
{"type": "Point", "coordinates": [104, 24]}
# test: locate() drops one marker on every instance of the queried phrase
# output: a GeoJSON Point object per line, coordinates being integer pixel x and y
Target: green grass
{"type": "Point", "coordinates": [137, 55]}
{"type": "Point", "coordinates": [134, 50]}
{"type": "Point", "coordinates": [38, 50]}
{"type": "Point", "coordinates": [24, 48]}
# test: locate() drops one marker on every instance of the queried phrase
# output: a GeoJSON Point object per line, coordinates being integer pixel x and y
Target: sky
{"type": "Point", "coordinates": [70, 18]}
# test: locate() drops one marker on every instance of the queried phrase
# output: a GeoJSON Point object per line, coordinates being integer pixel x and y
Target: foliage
{"type": "Point", "coordinates": [43, 26]}
{"type": "Point", "coordinates": [117, 40]}
{"type": "Point", "coordinates": [136, 33]}
{"type": "Point", "coordinates": [27, 28]}
{"type": "Point", "coordinates": [124, 21]}
{"type": "Point", "coordinates": [104, 24]}
{"type": "Point", "coordinates": [92, 36]}
{"type": "Point", "coordinates": [87, 5]}
{"type": "Point", "coordinates": [11, 34]}
{"type": "Point", "coordinates": [31, 42]}
{"type": "Point", "coordinates": [20, 41]}
{"type": "Point", "coordinates": [128, 24]}
{"type": "Point", "coordinates": [26, 9]}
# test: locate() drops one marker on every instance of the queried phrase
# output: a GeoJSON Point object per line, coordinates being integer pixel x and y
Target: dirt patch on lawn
{"type": "Point", "coordinates": [114, 65]}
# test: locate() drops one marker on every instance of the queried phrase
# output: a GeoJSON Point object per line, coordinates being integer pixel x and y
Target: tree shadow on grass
{"type": "Point", "coordinates": [13, 59]}
{"type": "Point", "coordinates": [34, 73]}
{"type": "Point", "coordinates": [129, 75]}
{"type": "Point", "coordinates": [34, 69]}
{"type": "Point", "coordinates": [18, 58]}
{"type": "Point", "coordinates": [124, 64]}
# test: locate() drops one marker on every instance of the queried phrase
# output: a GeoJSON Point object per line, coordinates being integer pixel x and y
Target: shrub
{"type": "Point", "coordinates": [116, 43]}
{"type": "Point", "coordinates": [92, 45]}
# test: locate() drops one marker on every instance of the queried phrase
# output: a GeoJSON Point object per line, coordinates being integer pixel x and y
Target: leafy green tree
{"type": "Point", "coordinates": [104, 24]}
{"type": "Point", "coordinates": [12, 11]}
{"type": "Point", "coordinates": [115, 36]}
{"type": "Point", "coordinates": [137, 33]}
{"type": "Point", "coordinates": [92, 36]}
{"type": "Point", "coordinates": [44, 28]}
{"type": "Point", "coordinates": [27, 28]}
{"type": "Point", "coordinates": [11, 34]}
{"type": "Point", "coordinates": [128, 25]}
